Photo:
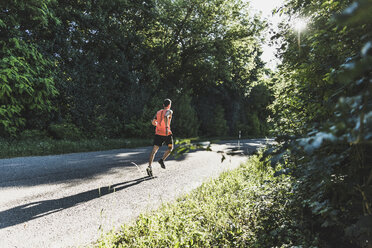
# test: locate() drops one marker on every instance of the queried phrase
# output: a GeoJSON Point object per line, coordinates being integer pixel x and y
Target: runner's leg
{"type": "Point", "coordinates": [169, 142]}
{"type": "Point", "coordinates": [152, 154]}
{"type": "Point", "coordinates": [168, 151]}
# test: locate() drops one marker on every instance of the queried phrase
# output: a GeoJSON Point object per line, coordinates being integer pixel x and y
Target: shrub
{"type": "Point", "coordinates": [66, 131]}
{"type": "Point", "coordinates": [33, 135]}
{"type": "Point", "coordinates": [217, 125]}
{"type": "Point", "coordinates": [139, 128]}
{"type": "Point", "coordinates": [254, 126]}
{"type": "Point", "coordinates": [185, 122]}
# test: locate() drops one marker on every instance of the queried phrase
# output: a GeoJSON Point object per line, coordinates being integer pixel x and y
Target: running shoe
{"type": "Point", "coordinates": [149, 171]}
{"type": "Point", "coordinates": [161, 162]}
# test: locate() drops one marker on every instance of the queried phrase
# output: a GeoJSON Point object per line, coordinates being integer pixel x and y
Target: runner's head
{"type": "Point", "coordinates": [167, 103]}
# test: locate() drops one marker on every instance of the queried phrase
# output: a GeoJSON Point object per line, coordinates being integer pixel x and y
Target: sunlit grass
{"type": "Point", "coordinates": [18, 148]}
{"type": "Point", "coordinates": [239, 209]}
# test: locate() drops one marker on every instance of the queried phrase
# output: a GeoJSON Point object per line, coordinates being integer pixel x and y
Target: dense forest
{"type": "Point", "coordinates": [102, 68]}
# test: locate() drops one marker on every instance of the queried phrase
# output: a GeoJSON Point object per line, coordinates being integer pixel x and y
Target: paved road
{"type": "Point", "coordinates": [70, 200]}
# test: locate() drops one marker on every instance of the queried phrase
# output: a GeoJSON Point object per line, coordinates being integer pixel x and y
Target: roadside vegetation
{"type": "Point", "coordinates": [36, 143]}
{"type": "Point", "coordinates": [60, 139]}
{"type": "Point", "coordinates": [48, 146]}
{"type": "Point", "coordinates": [323, 118]}
{"type": "Point", "coordinates": [246, 207]}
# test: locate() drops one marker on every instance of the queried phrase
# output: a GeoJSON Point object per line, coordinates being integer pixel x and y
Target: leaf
{"type": "Point", "coordinates": [2, 24]}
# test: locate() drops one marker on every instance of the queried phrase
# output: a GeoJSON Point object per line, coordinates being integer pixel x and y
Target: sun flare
{"type": "Point", "coordinates": [300, 25]}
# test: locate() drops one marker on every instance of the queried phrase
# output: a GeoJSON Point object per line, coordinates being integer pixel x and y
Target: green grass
{"type": "Point", "coordinates": [242, 208]}
{"type": "Point", "coordinates": [48, 146]}
{"type": "Point", "coordinates": [39, 146]}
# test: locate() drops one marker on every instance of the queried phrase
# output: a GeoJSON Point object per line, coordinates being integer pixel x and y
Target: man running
{"type": "Point", "coordinates": [163, 134]}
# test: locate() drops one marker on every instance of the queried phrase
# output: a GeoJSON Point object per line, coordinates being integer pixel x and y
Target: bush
{"type": "Point", "coordinates": [33, 135]}
{"type": "Point", "coordinates": [217, 124]}
{"type": "Point", "coordinates": [139, 128]}
{"type": "Point", "coordinates": [185, 122]}
{"type": "Point", "coordinates": [67, 131]}
{"type": "Point", "coordinates": [254, 126]}
{"type": "Point", "coordinates": [105, 126]}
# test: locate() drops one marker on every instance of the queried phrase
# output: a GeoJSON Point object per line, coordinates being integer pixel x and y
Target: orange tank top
{"type": "Point", "coordinates": [160, 126]}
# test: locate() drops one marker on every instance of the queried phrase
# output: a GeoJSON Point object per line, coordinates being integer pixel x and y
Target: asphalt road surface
{"type": "Point", "coordinates": [71, 200]}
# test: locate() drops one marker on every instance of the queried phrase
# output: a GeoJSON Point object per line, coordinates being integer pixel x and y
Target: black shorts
{"type": "Point", "coordinates": [159, 140]}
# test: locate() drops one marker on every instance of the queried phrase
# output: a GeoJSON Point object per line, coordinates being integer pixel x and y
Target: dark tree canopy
{"type": "Point", "coordinates": [104, 65]}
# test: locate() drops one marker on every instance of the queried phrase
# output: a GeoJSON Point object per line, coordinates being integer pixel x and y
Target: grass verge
{"type": "Point", "coordinates": [19, 148]}
{"type": "Point", "coordinates": [36, 146]}
{"type": "Point", "coordinates": [245, 207]}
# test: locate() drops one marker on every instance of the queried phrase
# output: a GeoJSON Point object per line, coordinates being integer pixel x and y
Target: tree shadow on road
{"type": "Point", "coordinates": [31, 171]}
{"type": "Point", "coordinates": [34, 210]}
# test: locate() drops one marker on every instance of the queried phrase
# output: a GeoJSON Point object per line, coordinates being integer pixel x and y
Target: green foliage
{"type": "Point", "coordinates": [185, 121]}
{"type": "Point", "coordinates": [26, 74]}
{"type": "Point", "coordinates": [33, 135]}
{"type": "Point", "coordinates": [242, 208]}
{"type": "Point", "coordinates": [324, 109]}
{"type": "Point", "coordinates": [35, 144]}
{"type": "Point", "coordinates": [105, 75]}
{"type": "Point", "coordinates": [251, 115]}
{"type": "Point", "coordinates": [26, 85]}
{"type": "Point", "coordinates": [216, 123]}
{"type": "Point", "coordinates": [139, 128]}
{"type": "Point", "coordinates": [108, 60]}
{"type": "Point", "coordinates": [260, 97]}
{"type": "Point", "coordinates": [253, 127]}
{"type": "Point", "coordinates": [66, 131]}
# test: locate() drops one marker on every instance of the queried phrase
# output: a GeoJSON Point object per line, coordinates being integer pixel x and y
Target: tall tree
{"type": "Point", "coordinates": [110, 60]}
{"type": "Point", "coordinates": [101, 53]}
{"type": "Point", "coordinates": [26, 73]}
{"type": "Point", "coordinates": [212, 49]}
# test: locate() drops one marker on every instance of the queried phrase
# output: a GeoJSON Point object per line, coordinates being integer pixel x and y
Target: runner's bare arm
{"type": "Point", "coordinates": [154, 122]}
{"type": "Point", "coordinates": [168, 115]}
{"type": "Point", "coordinates": [166, 125]}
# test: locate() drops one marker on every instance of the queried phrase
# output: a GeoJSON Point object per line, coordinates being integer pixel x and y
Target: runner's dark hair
{"type": "Point", "coordinates": [167, 102]}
